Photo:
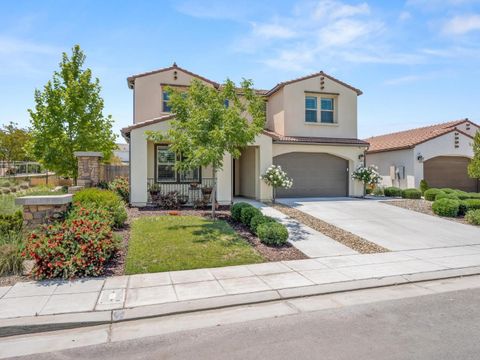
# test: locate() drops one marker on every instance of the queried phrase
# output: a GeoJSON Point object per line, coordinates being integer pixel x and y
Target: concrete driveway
{"type": "Point", "coordinates": [392, 227]}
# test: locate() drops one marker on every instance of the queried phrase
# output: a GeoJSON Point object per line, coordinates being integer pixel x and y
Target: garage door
{"type": "Point", "coordinates": [448, 171]}
{"type": "Point", "coordinates": [314, 174]}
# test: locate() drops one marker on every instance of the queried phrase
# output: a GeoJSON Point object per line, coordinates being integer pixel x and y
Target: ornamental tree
{"type": "Point", "coordinates": [14, 143]}
{"type": "Point", "coordinates": [276, 178]}
{"type": "Point", "coordinates": [368, 175]}
{"type": "Point", "coordinates": [68, 117]}
{"type": "Point", "coordinates": [210, 123]}
{"type": "Point", "coordinates": [474, 165]}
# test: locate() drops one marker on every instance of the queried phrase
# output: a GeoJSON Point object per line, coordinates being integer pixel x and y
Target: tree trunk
{"type": "Point", "coordinates": [214, 191]}
{"type": "Point", "coordinates": [274, 194]}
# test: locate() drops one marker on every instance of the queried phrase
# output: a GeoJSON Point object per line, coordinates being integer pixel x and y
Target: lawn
{"type": "Point", "coordinates": [165, 243]}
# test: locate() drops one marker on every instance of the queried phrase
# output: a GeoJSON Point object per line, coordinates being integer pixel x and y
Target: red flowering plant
{"type": "Point", "coordinates": [74, 248]}
{"type": "Point", "coordinates": [90, 212]}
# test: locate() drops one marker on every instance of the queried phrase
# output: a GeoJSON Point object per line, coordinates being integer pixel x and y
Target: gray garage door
{"type": "Point", "coordinates": [314, 174]}
{"type": "Point", "coordinates": [449, 172]}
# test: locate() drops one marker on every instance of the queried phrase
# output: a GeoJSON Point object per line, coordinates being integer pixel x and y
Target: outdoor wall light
{"type": "Point", "coordinates": [420, 157]}
{"type": "Point", "coordinates": [361, 156]}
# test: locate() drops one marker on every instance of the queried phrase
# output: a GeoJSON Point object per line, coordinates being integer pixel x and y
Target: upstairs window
{"type": "Point", "coordinates": [310, 109]}
{"type": "Point", "coordinates": [319, 109]}
{"type": "Point", "coordinates": [326, 114]}
{"type": "Point", "coordinates": [165, 99]}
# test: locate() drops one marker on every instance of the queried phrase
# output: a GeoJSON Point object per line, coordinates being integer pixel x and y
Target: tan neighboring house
{"type": "Point", "coordinates": [311, 131]}
{"type": "Point", "coordinates": [438, 153]}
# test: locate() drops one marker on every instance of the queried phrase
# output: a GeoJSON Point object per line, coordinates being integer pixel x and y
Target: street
{"type": "Point", "coordinates": [438, 326]}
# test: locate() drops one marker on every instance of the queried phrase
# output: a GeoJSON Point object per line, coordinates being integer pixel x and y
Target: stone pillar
{"type": "Point", "coordinates": [38, 210]}
{"type": "Point", "coordinates": [88, 167]}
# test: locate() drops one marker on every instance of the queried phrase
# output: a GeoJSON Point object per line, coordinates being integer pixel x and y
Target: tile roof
{"type": "Point", "coordinates": [409, 138]}
{"type": "Point", "coordinates": [314, 140]}
{"type": "Point", "coordinates": [126, 130]}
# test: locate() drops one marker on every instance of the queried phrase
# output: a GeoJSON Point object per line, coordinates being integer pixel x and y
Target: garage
{"type": "Point", "coordinates": [449, 172]}
{"type": "Point", "coordinates": [314, 174]}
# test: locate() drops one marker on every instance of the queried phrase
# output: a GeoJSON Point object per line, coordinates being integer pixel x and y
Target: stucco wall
{"type": "Point", "coordinates": [397, 158]}
{"type": "Point", "coordinates": [276, 113]}
{"type": "Point", "coordinates": [349, 153]}
{"type": "Point", "coordinates": [247, 171]}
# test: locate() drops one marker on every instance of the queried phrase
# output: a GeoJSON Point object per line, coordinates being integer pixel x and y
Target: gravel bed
{"type": "Point", "coordinates": [424, 207]}
{"type": "Point", "coordinates": [346, 238]}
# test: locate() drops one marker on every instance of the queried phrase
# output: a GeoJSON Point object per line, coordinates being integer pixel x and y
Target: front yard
{"type": "Point", "coordinates": [169, 243]}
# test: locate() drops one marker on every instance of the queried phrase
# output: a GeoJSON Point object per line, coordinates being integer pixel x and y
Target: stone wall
{"type": "Point", "coordinates": [39, 210]}
{"type": "Point", "coordinates": [88, 167]}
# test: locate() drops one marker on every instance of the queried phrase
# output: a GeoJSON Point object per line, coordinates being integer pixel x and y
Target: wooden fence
{"type": "Point", "coordinates": [111, 172]}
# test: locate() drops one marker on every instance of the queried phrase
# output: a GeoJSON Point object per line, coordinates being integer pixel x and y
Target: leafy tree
{"type": "Point", "coordinates": [14, 143]}
{"type": "Point", "coordinates": [211, 122]}
{"type": "Point", "coordinates": [474, 166]}
{"type": "Point", "coordinates": [68, 117]}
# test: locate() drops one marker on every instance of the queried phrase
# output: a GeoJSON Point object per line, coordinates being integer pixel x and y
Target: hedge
{"type": "Point", "coordinates": [446, 207]}
{"type": "Point", "coordinates": [392, 191]}
{"type": "Point", "coordinates": [411, 194]}
{"type": "Point", "coordinates": [444, 195]}
{"type": "Point", "coordinates": [247, 213]}
{"type": "Point", "coordinates": [272, 233]}
{"type": "Point", "coordinates": [236, 210]}
{"type": "Point", "coordinates": [473, 217]}
{"type": "Point", "coordinates": [259, 219]}
{"type": "Point", "coordinates": [430, 194]}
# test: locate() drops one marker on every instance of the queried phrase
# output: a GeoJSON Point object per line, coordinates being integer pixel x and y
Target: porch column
{"type": "Point", "coordinates": [224, 182]}
{"type": "Point", "coordinates": [265, 159]}
{"type": "Point", "coordinates": [138, 168]}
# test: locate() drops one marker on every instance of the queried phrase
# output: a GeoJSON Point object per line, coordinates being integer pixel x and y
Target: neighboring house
{"type": "Point", "coordinates": [438, 153]}
{"type": "Point", "coordinates": [122, 153]}
{"type": "Point", "coordinates": [311, 131]}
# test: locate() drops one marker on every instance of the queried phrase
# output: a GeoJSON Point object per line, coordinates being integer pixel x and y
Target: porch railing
{"type": "Point", "coordinates": [191, 193]}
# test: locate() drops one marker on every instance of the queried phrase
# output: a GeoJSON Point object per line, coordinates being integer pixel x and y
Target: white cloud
{"type": "Point", "coordinates": [336, 10]}
{"type": "Point", "coordinates": [272, 31]}
{"type": "Point", "coordinates": [463, 24]}
{"type": "Point", "coordinates": [10, 45]}
{"type": "Point", "coordinates": [404, 16]}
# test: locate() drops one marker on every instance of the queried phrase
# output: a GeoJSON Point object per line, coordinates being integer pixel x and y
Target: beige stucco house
{"type": "Point", "coordinates": [438, 153]}
{"type": "Point", "coordinates": [311, 131]}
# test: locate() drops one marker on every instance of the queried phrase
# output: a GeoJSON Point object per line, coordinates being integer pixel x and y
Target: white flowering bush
{"type": "Point", "coordinates": [276, 178]}
{"type": "Point", "coordinates": [368, 175]}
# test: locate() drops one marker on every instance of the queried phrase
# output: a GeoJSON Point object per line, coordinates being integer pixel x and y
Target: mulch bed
{"type": "Point", "coordinates": [344, 237]}
{"type": "Point", "coordinates": [424, 207]}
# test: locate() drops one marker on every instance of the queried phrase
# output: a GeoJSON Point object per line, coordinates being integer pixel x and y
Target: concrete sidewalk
{"type": "Point", "coordinates": [43, 305]}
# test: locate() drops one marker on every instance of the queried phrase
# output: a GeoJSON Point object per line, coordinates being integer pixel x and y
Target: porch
{"type": "Point", "coordinates": [193, 193]}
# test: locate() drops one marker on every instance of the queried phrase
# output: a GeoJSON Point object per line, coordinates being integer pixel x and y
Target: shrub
{"type": "Point", "coordinates": [446, 207]}
{"type": "Point", "coordinates": [11, 260]}
{"type": "Point", "coordinates": [378, 191]}
{"type": "Point", "coordinates": [473, 195]}
{"type": "Point", "coordinates": [121, 187]}
{"type": "Point", "coordinates": [259, 219]}
{"type": "Point", "coordinates": [103, 199]}
{"type": "Point", "coordinates": [423, 186]}
{"type": "Point", "coordinates": [473, 217]}
{"type": "Point", "coordinates": [272, 233]}
{"type": "Point", "coordinates": [248, 213]}
{"type": "Point", "coordinates": [411, 194]}
{"type": "Point", "coordinates": [236, 210]}
{"type": "Point", "coordinates": [11, 222]}
{"type": "Point", "coordinates": [472, 204]}
{"type": "Point", "coordinates": [90, 213]}
{"type": "Point", "coordinates": [430, 194]}
{"type": "Point", "coordinates": [448, 190]}
{"type": "Point", "coordinates": [444, 195]}
{"type": "Point", "coordinates": [73, 248]}
{"type": "Point", "coordinates": [462, 195]}
{"type": "Point", "coordinates": [462, 207]}
{"type": "Point", "coordinates": [392, 191]}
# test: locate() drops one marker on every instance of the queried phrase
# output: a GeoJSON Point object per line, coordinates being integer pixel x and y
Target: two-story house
{"type": "Point", "coordinates": [311, 131]}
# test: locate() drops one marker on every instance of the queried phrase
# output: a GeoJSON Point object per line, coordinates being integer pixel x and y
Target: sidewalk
{"type": "Point", "coordinates": [25, 306]}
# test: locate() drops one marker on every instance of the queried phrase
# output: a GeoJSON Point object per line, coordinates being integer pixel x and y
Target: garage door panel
{"type": "Point", "coordinates": [449, 171]}
{"type": "Point", "coordinates": [314, 174]}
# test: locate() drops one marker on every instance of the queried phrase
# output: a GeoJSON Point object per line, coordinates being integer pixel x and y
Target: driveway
{"type": "Point", "coordinates": [392, 227]}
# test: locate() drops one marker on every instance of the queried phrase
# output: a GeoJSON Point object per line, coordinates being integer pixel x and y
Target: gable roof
{"type": "Point", "coordinates": [131, 79]}
{"type": "Point", "coordinates": [127, 130]}
{"type": "Point", "coordinates": [408, 139]}
{"type": "Point", "coordinates": [320, 73]}
{"type": "Point", "coordinates": [277, 138]}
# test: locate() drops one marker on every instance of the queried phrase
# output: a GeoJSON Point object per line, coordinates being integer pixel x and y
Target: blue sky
{"type": "Point", "coordinates": [417, 61]}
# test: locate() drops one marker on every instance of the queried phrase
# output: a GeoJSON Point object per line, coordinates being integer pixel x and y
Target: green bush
{"type": "Point", "coordinates": [272, 233]}
{"type": "Point", "coordinates": [444, 195]}
{"type": "Point", "coordinates": [11, 260]}
{"type": "Point", "coordinates": [423, 186]}
{"type": "Point", "coordinates": [11, 222]}
{"type": "Point", "coordinates": [446, 207]}
{"type": "Point", "coordinates": [430, 194]}
{"type": "Point", "coordinates": [259, 219]}
{"type": "Point", "coordinates": [248, 213]}
{"type": "Point", "coordinates": [121, 187]}
{"type": "Point", "coordinates": [473, 217]}
{"type": "Point", "coordinates": [462, 207]}
{"type": "Point", "coordinates": [91, 213]}
{"type": "Point", "coordinates": [392, 191]}
{"type": "Point", "coordinates": [411, 194]}
{"type": "Point", "coordinates": [236, 210]}
{"type": "Point", "coordinates": [378, 191]}
{"type": "Point", "coordinates": [473, 195]}
{"type": "Point", "coordinates": [472, 204]}
{"type": "Point", "coordinates": [103, 199]}
{"type": "Point", "coordinates": [448, 190]}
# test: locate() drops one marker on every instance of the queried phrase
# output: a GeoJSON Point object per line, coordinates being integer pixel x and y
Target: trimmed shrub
{"type": "Point", "coordinates": [121, 187]}
{"type": "Point", "coordinates": [448, 190]}
{"type": "Point", "coordinates": [430, 194]}
{"type": "Point", "coordinates": [473, 217]}
{"type": "Point", "coordinates": [103, 199]}
{"type": "Point", "coordinates": [444, 195]}
{"type": "Point", "coordinates": [392, 191]}
{"type": "Point", "coordinates": [259, 219]}
{"type": "Point", "coordinates": [71, 249]}
{"type": "Point", "coordinates": [473, 195]}
{"type": "Point", "coordinates": [11, 260]}
{"type": "Point", "coordinates": [248, 213]}
{"type": "Point", "coordinates": [472, 204]}
{"type": "Point", "coordinates": [446, 207]}
{"type": "Point", "coordinates": [272, 233]}
{"type": "Point", "coordinates": [236, 210]}
{"type": "Point", "coordinates": [11, 222]}
{"type": "Point", "coordinates": [462, 207]}
{"type": "Point", "coordinates": [423, 186]}
{"type": "Point", "coordinates": [411, 194]}
{"type": "Point", "coordinates": [378, 191]}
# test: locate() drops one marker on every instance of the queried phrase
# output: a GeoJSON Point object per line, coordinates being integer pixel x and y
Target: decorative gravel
{"type": "Point", "coordinates": [422, 206]}
{"type": "Point", "coordinates": [346, 238]}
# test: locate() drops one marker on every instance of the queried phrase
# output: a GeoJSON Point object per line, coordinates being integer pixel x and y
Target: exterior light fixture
{"type": "Point", "coordinates": [420, 157]}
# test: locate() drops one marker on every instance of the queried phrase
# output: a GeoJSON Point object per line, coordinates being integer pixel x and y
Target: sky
{"type": "Point", "coordinates": [416, 61]}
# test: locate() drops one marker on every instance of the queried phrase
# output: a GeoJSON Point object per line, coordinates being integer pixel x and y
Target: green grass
{"type": "Point", "coordinates": [166, 243]}
{"type": "Point", "coordinates": [7, 201]}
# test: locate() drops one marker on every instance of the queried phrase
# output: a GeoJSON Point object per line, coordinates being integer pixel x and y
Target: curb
{"type": "Point", "coordinates": [44, 323]}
